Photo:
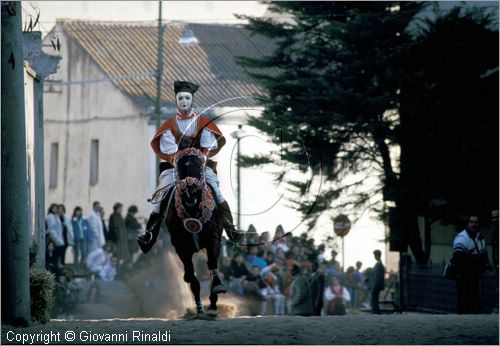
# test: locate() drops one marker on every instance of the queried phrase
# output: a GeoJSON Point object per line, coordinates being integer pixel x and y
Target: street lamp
{"type": "Point", "coordinates": [238, 135]}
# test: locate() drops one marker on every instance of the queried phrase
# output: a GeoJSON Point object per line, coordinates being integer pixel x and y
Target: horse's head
{"type": "Point", "coordinates": [190, 164]}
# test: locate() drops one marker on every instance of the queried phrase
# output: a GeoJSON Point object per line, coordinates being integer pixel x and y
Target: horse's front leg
{"type": "Point", "coordinates": [190, 277]}
{"type": "Point", "coordinates": [213, 251]}
{"type": "Point", "coordinates": [212, 310]}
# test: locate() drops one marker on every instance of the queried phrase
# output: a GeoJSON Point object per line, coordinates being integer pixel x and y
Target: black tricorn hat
{"type": "Point", "coordinates": [183, 86]}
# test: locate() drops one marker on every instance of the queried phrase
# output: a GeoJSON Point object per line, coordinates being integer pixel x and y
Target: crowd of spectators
{"type": "Point", "coordinates": [87, 249]}
{"type": "Point", "coordinates": [286, 274]}
{"type": "Point", "coordinates": [279, 274]}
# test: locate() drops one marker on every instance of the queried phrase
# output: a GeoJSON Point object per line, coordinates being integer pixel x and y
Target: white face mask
{"type": "Point", "coordinates": [184, 101]}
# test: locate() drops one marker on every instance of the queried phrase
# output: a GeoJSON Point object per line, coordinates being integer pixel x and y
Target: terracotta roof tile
{"type": "Point", "coordinates": [121, 49]}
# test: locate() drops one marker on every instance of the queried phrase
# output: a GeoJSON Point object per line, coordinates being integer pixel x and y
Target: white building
{"type": "Point", "coordinates": [37, 66]}
{"type": "Point", "coordinates": [99, 109]}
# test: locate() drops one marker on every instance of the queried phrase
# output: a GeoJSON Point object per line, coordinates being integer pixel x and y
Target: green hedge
{"type": "Point", "coordinates": [42, 294]}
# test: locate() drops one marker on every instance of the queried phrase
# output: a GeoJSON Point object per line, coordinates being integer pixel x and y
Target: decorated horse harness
{"type": "Point", "coordinates": [207, 204]}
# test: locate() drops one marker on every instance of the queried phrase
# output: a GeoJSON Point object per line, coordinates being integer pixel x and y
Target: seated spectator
{"type": "Point", "coordinates": [109, 271]}
{"type": "Point", "coordinates": [94, 290]}
{"type": "Point", "coordinates": [294, 253]}
{"type": "Point", "coordinates": [66, 294]}
{"type": "Point", "coordinates": [226, 270]}
{"type": "Point", "coordinates": [52, 263]}
{"type": "Point", "coordinates": [255, 257]}
{"type": "Point", "coordinates": [240, 273]}
{"type": "Point", "coordinates": [99, 258]}
{"type": "Point", "coordinates": [269, 258]}
{"type": "Point", "coordinates": [253, 284]}
{"type": "Point", "coordinates": [336, 298]}
{"type": "Point", "coordinates": [255, 287]}
{"type": "Point", "coordinates": [272, 292]}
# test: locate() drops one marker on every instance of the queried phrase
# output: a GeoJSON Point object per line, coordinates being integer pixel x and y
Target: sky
{"type": "Point", "coordinates": [191, 11]}
{"type": "Point", "coordinates": [365, 235]}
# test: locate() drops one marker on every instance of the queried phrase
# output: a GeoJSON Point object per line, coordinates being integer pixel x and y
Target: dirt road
{"type": "Point", "coordinates": [406, 328]}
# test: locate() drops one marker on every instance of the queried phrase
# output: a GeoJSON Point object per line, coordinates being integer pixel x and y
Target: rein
{"type": "Point", "coordinates": [207, 204]}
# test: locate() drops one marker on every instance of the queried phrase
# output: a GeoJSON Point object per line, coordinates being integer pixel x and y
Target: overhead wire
{"type": "Point", "coordinates": [147, 73]}
{"type": "Point", "coordinates": [191, 21]}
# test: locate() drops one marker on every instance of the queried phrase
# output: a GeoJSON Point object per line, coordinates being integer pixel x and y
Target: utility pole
{"type": "Point", "coordinates": [159, 73]}
{"type": "Point", "coordinates": [238, 180]}
{"type": "Point", "coordinates": [15, 227]}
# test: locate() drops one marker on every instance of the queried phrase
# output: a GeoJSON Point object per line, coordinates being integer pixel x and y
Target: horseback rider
{"type": "Point", "coordinates": [203, 134]}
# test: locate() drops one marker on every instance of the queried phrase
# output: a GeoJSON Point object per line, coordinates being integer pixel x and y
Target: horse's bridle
{"type": "Point", "coordinates": [207, 204]}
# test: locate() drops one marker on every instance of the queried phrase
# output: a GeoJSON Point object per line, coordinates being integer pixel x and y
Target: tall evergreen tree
{"type": "Point", "coordinates": [336, 82]}
{"type": "Point", "coordinates": [449, 117]}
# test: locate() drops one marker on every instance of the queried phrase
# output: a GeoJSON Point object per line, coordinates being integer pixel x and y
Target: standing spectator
{"type": "Point", "coordinates": [334, 259]}
{"type": "Point", "coordinates": [376, 282]}
{"type": "Point", "coordinates": [361, 293]}
{"type": "Point", "coordinates": [81, 231]}
{"type": "Point", "coordinates": [470, 257]}
{"type": "Point", "coordinates": [105, 230]}
{"type": "Point", "coordinates": [333, 269]}
{"type": "Point", "coordinates": [133, 229]}
{"type": "Point", "coordinates": [97, 239]}
{"type": "Point", "coordinates": [265, 241]}
{"type": "Point", "coordinates": [55, 231]}
{"type": "Point", "coordinates": [68, 236]}
{"type": "Point", "coordinates": [280, 240]}
{"type": "Point", "coordinates": [336, 297]}
{"type": "Point", "coordinates": [317, 289]}
{"type": "Point", "coordinates": [320, 254]}
{"type": "Point", "coordinates": [494, 239]}
{"type": "Point", "coordinates": [301, 301]}
{"type": "Point", "coordinates": [118, 231]}
{"type": "Point", "coordinates": [350, 282]}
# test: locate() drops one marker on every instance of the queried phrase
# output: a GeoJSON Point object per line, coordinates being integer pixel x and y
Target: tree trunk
{"type": "Point", "coordinates": [394, 191]}
{"type": "Point", "coordinates": [427, 239]}
{"type": "Point", "coordinates": [15, 227]}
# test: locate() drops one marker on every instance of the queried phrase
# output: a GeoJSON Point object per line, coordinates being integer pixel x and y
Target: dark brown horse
{"type": "Point", "coordinates": [193, 222]}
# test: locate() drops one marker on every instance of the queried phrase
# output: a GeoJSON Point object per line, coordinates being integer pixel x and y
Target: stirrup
{"type": "Point", "coordinates": [142, 238]}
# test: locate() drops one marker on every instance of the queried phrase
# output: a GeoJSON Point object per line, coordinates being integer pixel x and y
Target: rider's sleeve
{"type": "Point", "coordinates": [167, 143]}
{"type": "Point", "coordinates": [208, 140]}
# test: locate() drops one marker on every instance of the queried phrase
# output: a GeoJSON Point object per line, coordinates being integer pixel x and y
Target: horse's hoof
{"type": "Point", "coordinates": [212, 312]}
{"type": "Point", "coordinates": [200, 310]}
